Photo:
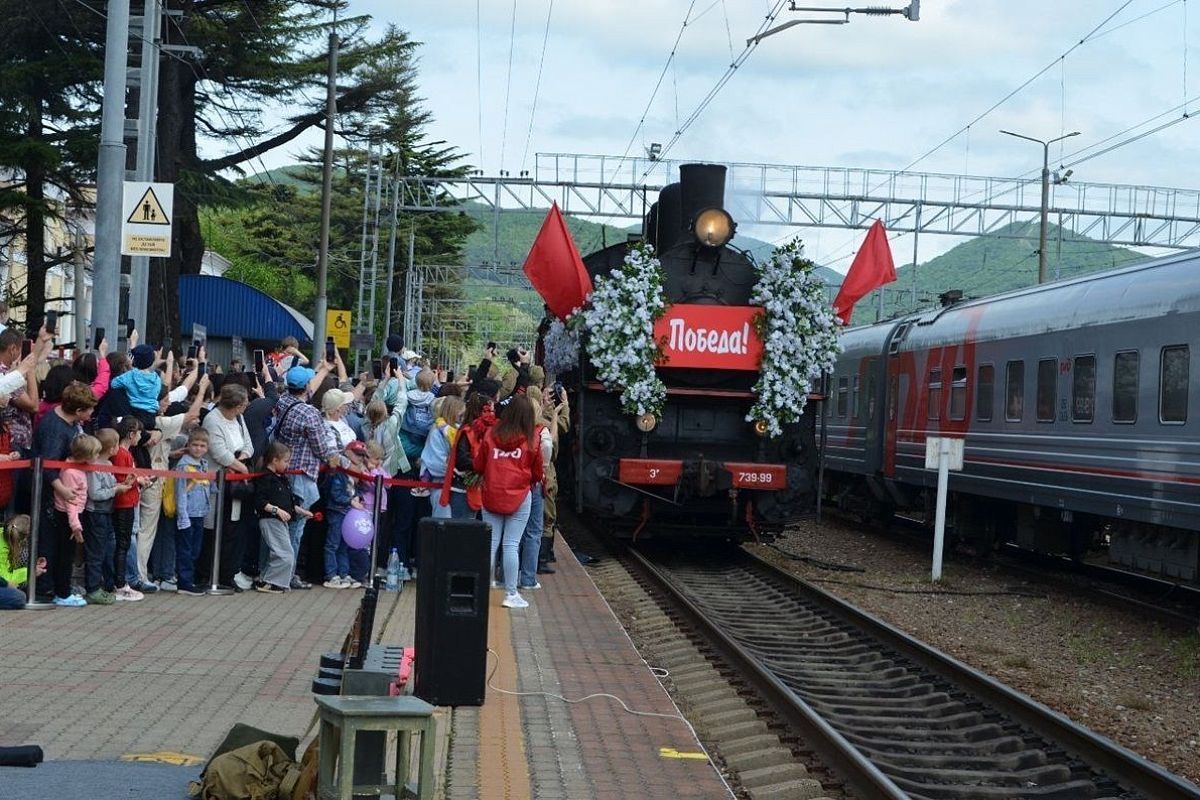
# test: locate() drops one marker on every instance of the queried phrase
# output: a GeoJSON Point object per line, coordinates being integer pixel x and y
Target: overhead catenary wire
{"type": "Point", "coordinates": [537, 84]}
{"type": "Point", "coordinates": [512, 44]}
{"type": "Point", "coordinates": [479, 77]}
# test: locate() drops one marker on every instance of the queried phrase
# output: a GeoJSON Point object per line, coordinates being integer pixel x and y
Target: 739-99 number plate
{"type": "Point", "coordinates": [765, 477]}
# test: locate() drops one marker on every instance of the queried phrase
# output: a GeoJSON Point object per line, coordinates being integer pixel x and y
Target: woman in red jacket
{"type": "Point", "coordinates": [510, 461]}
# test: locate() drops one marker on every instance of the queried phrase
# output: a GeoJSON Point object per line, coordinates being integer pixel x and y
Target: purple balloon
{"type": "Point", "coordinates": [357, 529]}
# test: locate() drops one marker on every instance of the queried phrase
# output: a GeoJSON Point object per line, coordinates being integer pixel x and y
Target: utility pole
{"type": "Point", "coordinates": [375, 245]}
{"type": "Point", "coordinates": [78, 253]}
{"type": "Point", "coordinates": [326, 204]}
{"type": "Point", "coordinates": [110, 171]}
{"type": "Point", "coordinates": [391, 273]}
{"type": "Point", "coordinates": [139, 272]}
{"type": "Point", "coordinates": [361, 316]}
{"type": "Point", "coordinates": [1045, 193]}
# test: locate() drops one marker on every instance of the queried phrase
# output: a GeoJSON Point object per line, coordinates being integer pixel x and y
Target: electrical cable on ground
{"type": "Point", "coordinates": [947, 592]}
{"type": "Point", "coordinates": [816, 562]}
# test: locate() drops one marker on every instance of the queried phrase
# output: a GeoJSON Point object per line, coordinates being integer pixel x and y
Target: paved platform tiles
{"type": "Point", "coordinates": [171, 673]}
{"type": "Point", "coordinates": [569, 643]}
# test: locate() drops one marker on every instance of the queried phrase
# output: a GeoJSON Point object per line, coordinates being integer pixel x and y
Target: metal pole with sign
{"type": "Point", "coordinates": [943, 454]}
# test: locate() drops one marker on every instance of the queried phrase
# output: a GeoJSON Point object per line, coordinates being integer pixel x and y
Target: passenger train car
{"type": "Point", "coordinates": [702, 467]}
{"type": "Point", "coordinates": [1074, 402]}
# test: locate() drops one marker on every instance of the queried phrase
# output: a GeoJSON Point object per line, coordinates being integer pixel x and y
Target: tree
{"type": "Point", "coordinates": [51, 65]}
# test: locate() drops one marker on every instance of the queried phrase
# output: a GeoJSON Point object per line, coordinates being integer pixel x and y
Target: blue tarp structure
{"type": "Point", "coordinates": [228, 308]}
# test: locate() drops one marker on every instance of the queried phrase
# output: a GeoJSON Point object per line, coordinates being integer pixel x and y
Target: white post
{"type": "Point", "coordinates": [939, 524]}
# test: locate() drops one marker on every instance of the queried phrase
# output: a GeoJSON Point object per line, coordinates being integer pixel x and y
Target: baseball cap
{"type": "Point", "coordinates": [298, 377]}
{"type": "Point", "coordinates": [335, 398]}
{"type": "Point", "coordinates": [410, 354]}
{"type": "Point", "coordinates": [357, 447]}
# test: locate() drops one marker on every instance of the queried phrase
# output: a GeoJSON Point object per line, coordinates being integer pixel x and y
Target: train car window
{"type": "Point", "coordinates": [983, 392]}
{"type": "Point", "coordinates": [1014, 391]}
{"type": "Point", "coordinates": [958, 393]}
{"type": "Point", "coordinates": [1125, 387]}
{"type": "Point", "coordinates": [855, 408]}
{"type": "Point", "coordinates": [1047, 385]}
{"type": "Point", "coordinates": [935, 393]}
{"type": "Point", "coordinates": [1083, 389]}
{"type": "Point", "coordinates": [841, 400]}
{"type": "Point", "coordinates": [1173, 384]}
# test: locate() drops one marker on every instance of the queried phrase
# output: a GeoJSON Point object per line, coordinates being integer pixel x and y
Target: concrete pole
{"type": "Point", "coordinates": [375, 245]}
{"type": "Point", "coordinates": [939, 514]}
{"type": "Point", "coordinates": [78, 248]}
{"type": "Point", "coordinates": [139, 273]}
{"type": "Point", "coordinates": [326, 206]}
{"type": "Point", "coordinates": [362, 249]}
{"type": "Point", "coordinates": [916, 240]}
{"type": "Point", "coordinates": [110, 171]}
{"type": "Point", "coordinates": [1045, 212]}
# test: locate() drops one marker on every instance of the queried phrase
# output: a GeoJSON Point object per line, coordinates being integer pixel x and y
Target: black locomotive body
{"type": "Point", "coordinates": [703, 467]}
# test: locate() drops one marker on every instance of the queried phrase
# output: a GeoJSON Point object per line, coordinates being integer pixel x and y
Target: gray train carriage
{"type": "Point", "coordinates": [1074, 402]}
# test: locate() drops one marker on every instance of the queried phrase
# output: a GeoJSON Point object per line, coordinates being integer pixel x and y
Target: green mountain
{"type": "Point", "coordinates": [988, 265]}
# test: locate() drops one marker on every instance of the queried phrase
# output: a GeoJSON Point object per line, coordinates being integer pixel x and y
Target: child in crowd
{"type": "Point", "coordinates": [276, 505]}
{"type": "Point", "coordinates": [192, 497]}
{"type": "Point", "coordinates": [14, 563]}
{"type": "Point", "coordinates": [339, 499]}
{"type": "Point", "coordinates": [368, 460]}
{"type": "Point", "coordinates": [98, 523]}
{"type": "Point", "coordinates": [66, 524]}
{"type": "Point", "coordinates": [436, 455]}
{"type": "Point", "coordinates": [125, 504]}
{"type": "Point", "coordinates": [418, 417]}
{"type": "Point", "coordinates": [142, 383]}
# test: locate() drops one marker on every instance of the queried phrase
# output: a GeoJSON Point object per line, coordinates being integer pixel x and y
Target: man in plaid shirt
{"type": "Point", "coordinates": [300, 427]}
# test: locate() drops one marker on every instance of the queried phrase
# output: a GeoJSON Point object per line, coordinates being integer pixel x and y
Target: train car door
{"type": "Point", "coordinates": [873, 397]}
{"type": "Point", "coordinates": [896, 382]}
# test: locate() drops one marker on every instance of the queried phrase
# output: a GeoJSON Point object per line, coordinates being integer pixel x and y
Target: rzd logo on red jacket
{"type": "Point", "coordinates": [498, 453]}
{"type": "Point", "coordinates": [710, 337]}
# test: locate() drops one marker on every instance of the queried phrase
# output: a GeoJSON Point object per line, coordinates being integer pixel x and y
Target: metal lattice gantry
{"type": "Point", "coordinates": [453, 309]}
{"type": "Point", "coordinates": [835, 197]}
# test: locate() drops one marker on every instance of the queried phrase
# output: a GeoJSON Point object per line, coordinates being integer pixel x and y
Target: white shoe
{"type": "Point", "coordinates": [536, 585]}
{"type": "Point", "coordinates": [243, 582]}
{"type": "Point", "coordinates": [334, 583]}
{"type": "Point", "coordinates": [128, 594]}
{"type": "Point", "coordinates": [514, 600]}
{"type": "Point", "coordinates": [350, 583]}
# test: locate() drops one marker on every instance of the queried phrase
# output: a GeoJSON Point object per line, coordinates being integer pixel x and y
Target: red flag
{"type": "Point", "coordinates": [555, 268]}
{"type": "Point", "coordinates": [872, 268]}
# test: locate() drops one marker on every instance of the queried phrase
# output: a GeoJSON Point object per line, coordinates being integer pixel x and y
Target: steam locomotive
{"type": "Point", "coordinates": [702, 467]}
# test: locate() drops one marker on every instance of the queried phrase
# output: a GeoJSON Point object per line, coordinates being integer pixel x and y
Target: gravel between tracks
{"type": "Point", "coordinates": [1135, 681]}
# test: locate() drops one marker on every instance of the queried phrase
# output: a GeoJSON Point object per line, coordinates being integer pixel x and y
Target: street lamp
{"type": "Point", "coordinates": [1045, 193]}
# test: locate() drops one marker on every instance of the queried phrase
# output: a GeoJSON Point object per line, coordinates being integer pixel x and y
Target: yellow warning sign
{"type": "Point", "coordinates": [139, 244]}
{"type": "Point", "coordinates": [164, 757]}
{"type": "Point", "coordinates": [337, 325]}
{"type": "Point", "coordinates": [671, 752]}
{"type": "Point", "coordinates": [149, 211]}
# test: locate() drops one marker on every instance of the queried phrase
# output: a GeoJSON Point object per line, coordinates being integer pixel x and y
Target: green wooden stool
{"type": "Point", "coordinates": [343, 717]}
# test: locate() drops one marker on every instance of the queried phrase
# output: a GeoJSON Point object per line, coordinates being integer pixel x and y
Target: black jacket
{"type": "Point", "coordinates": [272, 489]}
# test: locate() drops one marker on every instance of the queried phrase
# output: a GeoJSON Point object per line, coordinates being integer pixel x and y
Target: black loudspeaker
{"type": "Point", "coordinates": [452, 612]}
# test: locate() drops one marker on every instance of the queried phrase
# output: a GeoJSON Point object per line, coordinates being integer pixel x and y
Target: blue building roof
{"type": "Point", "coordinates": [229, 308]}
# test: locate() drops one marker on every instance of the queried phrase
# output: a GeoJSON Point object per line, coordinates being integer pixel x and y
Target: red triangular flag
{"type": "Point", "coordinates": [872, 268]}
{"type": "Point", "coordinates": [555, 268]}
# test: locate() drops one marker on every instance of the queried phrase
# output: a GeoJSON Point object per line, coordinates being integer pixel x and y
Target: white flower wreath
{"type": "Point", "coordinates": [562, 344]}
{"type": "Point", "coordinates": [799, 335]}
{"type": "Point", "coordinates": [620, 324]}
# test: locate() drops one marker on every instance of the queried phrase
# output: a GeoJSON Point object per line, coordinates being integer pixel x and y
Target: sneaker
{"type": "Point", "coordinates": [191, 591]}
{"type": "Point", "coordinates": [74, 601]}
{"type": "Point", "coordinates": [145, 588]}
{"type": "Point", "coordinates": [545, 569]}
{"type": "Point", "coordinates": [514, 600]}
{"type": "Point", "coordinates": [420, 492]}
{"type": "Point", "coordinates": [299, 584]}
{"type": "Point", "coordinates": [534, 586]}
{"type": "Point", "coordinates": [243, 581]}
{"type": "Point", "coordinates": [168, 586]}
{"type": "Point", "coordinates": [268, 588]}
{"type": "Point", "coordinates": [335, 583]}
{"type": "Point", "coordinates": [99, 598]}
{"type": "Point", "coordinates": [128, 594]}
{"type": "Point", "coordinates": [350, 583]}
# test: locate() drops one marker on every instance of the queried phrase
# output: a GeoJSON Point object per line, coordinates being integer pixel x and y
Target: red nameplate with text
{"type": "Point", "coordinates": [709, 337]}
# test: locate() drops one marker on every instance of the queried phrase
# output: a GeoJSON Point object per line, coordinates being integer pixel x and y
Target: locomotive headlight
{"type": "Point", "coordinates": [713, 227]}
{"type": "Point", "coordinates": [760, 428]}
{"type": "Point", "coordinates": [647, 423]}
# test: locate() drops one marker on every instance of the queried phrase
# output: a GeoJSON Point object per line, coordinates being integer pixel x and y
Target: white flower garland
{"type": "Point", "coordinates": [562, 344]}
{"type": "Point", "coordinates": [799, 334]}
{"type": "Point", "coordinates": [620, 323]}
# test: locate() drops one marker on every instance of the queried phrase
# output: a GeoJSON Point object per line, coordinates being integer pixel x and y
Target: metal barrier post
{"type": "Point", "coordinates": [376, 510]}
{"type": "Point", "coordinates": [218, 529]}
{"type": "Point", "coordinates": [35, 522]}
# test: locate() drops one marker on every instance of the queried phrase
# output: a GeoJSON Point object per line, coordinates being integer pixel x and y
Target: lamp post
{"type": "Point", "coordinates": [1045, 193]}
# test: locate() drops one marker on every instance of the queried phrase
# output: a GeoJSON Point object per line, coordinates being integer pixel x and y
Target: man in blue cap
{"type": "Point", "coordinates": [299, 425]}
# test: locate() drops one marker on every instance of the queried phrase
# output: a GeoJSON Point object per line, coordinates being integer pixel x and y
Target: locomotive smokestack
{"type": "Point", "coordinates": [669, 225]}
{"type": "Point", "coordinates": [703, 186]}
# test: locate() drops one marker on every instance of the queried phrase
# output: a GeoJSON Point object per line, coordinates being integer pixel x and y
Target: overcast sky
{"type": "Point", "coordinates": [876, 93]}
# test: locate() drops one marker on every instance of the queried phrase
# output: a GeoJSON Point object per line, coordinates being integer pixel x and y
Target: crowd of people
{"type": "Point", "coordinates": [300, 446]}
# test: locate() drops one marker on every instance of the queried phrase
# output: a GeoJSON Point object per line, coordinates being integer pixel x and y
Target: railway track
{"type": "Point", "coordinates": [893, 716]}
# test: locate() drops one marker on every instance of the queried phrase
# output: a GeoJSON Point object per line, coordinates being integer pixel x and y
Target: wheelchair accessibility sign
{"type": "Point", "coordinates": [337, 325]}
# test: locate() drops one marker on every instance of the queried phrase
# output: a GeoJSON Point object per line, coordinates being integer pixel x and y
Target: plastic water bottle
{"type": "Point", "coordinates": [392, 583]}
